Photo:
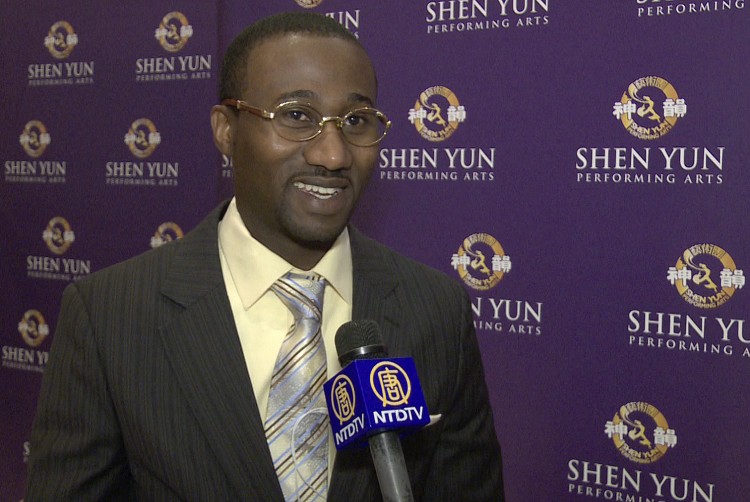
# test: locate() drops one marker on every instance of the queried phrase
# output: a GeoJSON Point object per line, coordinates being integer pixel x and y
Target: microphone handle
{"type": "Point", "coordinates": [390, 466]}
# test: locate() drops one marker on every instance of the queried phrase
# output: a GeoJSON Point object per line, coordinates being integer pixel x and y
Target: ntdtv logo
{"type": "Point", "coordinates": [374, 395]}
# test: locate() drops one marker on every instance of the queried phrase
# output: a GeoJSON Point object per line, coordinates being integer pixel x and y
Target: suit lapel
{"type": "Point", "coordinates": [205, 353]}
{"type": "Point", "coordinates": [374, 285]}
{"type": "Point", "coordinates": [375, 298]}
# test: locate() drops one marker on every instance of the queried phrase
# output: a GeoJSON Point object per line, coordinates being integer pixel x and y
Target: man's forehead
{"type": "Point", "coordinates": [299, 40]}
{"type": "Point", "coordinates": [294, 65]}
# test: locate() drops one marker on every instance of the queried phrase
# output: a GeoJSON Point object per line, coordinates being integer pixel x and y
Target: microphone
{"type": "Point", "coordinates": [371, 400]}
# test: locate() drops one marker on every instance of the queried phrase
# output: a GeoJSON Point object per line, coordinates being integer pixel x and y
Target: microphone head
{"type": "Point", "coordinates": [359, 339]}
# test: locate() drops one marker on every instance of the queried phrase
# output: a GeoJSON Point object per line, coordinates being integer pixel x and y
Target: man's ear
{"type": "Point", "coordinates": [223, 122]}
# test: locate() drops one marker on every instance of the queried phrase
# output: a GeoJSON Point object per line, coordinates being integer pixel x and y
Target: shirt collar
{"type": "Point", "coordinates": [254, 267]}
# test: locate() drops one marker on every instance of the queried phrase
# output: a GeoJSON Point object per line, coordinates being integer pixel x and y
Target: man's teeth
{"type": "Point", "coordinates": [319, 192]}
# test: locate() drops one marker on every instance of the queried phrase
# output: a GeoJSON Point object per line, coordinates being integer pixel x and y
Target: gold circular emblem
{"type": "Point", "coordinates": [650, 108]}
{"type": "Point", "coordinates": [34, 138]}
{"type": "Point", "coordinates": [308, 4]}
{"type": "Point", "coordinates": [61, 40]}
{"type": "Point", "coordinates": [33, 328]}
{"type": "Point", "coordinates": [437, 113]}
{"type": "Point", "coordinates": [706, 276]}
{"type": "Point", "coordinates": [167, 232]}
{"type": "Point", "coordinates": [641, 433]}
{"type": "Point", "coordinates": [142, 138]}
{"type": "Point", "coordinates": [390, 383]}
{"type": "Point", "coordinates": [58, 235]}
{"type": "Point", "coordinates": [343, 398]}
{"type": "Point", "coordinates": [174, 31]}
{"type": "Point", "coordinates": [481, 261]}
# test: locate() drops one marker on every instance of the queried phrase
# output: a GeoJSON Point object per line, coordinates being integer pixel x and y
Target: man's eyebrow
{"type": "Point", "coordinates": [298, 94]}
{"type": "Point", "coordinates": [360, 98]}
{"type": "Point", "coordinates": [353, 98]}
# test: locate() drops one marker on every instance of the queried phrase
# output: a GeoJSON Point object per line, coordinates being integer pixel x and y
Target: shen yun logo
{"type": "Point", "coordinates": [33, 328]}
{"type": "Point", "coordinates": [706, 276]}
{"type": "Point", "coordinates": [173, 32]}
{"type": "Point", "coordinates": [167, 232]}
{"type": "Point", "coordinates": [649, 108]}
{"type": "Point", "coordinates": [142, 138]}
{"type": "Point", "coordinates": [61, 40]}
{"type": "Point", "coordinates": [58, 235]}
{"type": "Point", "coordinates": [34, 139]}
{"type": "Point", "coordinates": [481, 262]}
{"type": "Point", "coordinates": [640, 433]}
{"type": "Point", "coordinates": [437, 113]}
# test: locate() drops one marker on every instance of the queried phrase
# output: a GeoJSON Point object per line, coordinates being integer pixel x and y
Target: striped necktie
{"type": "Point", "coordinates": [298, 437]}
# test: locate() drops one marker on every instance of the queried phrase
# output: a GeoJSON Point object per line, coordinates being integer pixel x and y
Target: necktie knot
{"type": "Point", "coordinates": [302, 294]}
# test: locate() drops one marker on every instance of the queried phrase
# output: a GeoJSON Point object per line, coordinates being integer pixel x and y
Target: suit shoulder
{"type": "Point", "coordinates": [151, 262]}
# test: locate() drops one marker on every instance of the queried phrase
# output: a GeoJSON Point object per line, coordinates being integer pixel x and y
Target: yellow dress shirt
{"type": "Point", "coordinates": [249, 269]}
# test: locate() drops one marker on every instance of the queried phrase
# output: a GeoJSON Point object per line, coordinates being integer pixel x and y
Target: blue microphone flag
{"type": "Point", "coordinates": [370, 396]}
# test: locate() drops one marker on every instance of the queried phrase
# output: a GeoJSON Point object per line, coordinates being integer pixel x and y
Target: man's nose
{"type": "Point", "coordinates": [329, 149]}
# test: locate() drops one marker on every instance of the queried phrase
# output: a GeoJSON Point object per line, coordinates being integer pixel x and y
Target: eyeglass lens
{"type": "Point", "coordinates": [298, 122]}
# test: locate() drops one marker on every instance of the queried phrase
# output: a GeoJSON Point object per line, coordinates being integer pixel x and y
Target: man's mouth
{"type": "Point", "coordinates": [317, 191]}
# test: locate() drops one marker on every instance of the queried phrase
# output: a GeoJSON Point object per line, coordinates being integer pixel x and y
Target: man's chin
{"type": "Point", "coordinates": [318, 238]}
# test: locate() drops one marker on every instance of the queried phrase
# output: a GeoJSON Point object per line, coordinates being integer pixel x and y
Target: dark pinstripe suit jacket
{"type": "Point", "coordinates": [146, 395]}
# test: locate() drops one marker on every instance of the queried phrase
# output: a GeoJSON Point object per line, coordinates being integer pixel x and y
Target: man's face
{"type": "Point", "coordinates": [301, 194]}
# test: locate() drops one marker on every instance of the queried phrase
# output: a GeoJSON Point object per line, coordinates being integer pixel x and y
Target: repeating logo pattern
{"type": "Point", "coordinates": [649, 108]}
{"type": "Point", "coordinates": [174, 31]}
{"type": "Point", "coordinates": [61, 40]}
{"type": "Point", "coordinates": [33, 328]}
{"type": "Point", "coordinates": [437, 113]}
{"type": "Point", "coordinates": [34, 139]}
{"type": "Point", "coordinates": [58, 235]}
{"type": "Point", "coordinates": [640, 432]}
{"type": "Point", "coordinates": [481, 261]}
{"type": "Point", "coordinates": [167, 232]}
{"type": "Point", "coordinates": [142, 138]}
{"type": "Point", "coordinates": [706, 276]}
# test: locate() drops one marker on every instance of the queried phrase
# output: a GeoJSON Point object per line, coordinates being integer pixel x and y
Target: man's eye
{"type": "Point", "coordinates": [296, 117]}
{"type": "Point", "coordinates": [354, 120]}
{"type": "Point", "coordinates": [359, 120]}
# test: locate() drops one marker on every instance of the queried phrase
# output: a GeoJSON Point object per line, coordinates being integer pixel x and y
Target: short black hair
{"type": "Point", "coordinates": [233, 70]}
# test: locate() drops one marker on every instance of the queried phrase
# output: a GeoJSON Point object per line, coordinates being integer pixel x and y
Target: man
{"type": "Point", "coordinates": [161, 369]}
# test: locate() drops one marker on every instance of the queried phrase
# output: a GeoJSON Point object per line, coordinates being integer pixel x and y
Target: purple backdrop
{"type": "Point", "coordinates": [581, 166]}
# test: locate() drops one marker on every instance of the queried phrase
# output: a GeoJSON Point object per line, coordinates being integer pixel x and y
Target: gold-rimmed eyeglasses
{"type": "Point", "coordinates": [297, 121]}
